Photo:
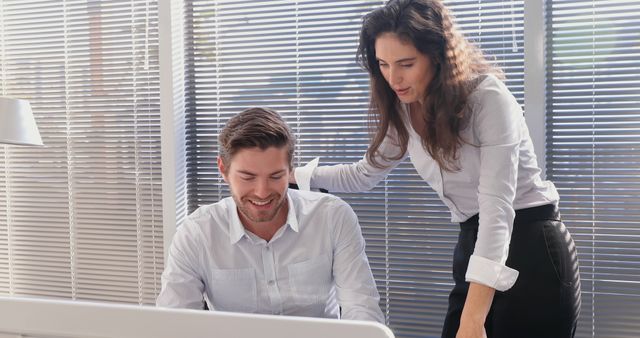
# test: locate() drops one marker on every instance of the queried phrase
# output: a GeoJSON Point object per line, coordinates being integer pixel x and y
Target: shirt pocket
{"type": "Point", "coordinates": [311, 280]}
{"type": "Point", "coordinates": [234, 290]}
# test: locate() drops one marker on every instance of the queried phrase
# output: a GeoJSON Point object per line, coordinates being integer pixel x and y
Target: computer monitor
{"type": "Point", "coordinates": [46, 318]}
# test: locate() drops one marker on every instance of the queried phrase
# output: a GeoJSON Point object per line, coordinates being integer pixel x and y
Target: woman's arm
{"type": "Point", "coordinates": [359, 176]}
{"type": "Point", "coordinates": [497, 126]}
{"type": "Point", "coordinates": [355, 177]}
{"type": "Point", "coordinates": [474, 313]}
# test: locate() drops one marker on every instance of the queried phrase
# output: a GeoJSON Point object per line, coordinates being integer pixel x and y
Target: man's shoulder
{"type": "Point", "coordinates": [207, 214]}
{"type": "Point", "coordinates": [314, 199]}
{"type": "Point", "coordinates": [320, 207]}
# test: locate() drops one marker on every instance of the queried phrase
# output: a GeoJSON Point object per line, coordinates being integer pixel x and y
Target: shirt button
{"type": "Point", "coordinates": [268, 248]}
{"type": "Point", "coordinates": [271, 282]}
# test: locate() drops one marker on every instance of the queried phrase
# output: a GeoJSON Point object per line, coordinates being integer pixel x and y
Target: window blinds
{"type": "Point", "coordinates": [298, 57]}
{"type": "Point", "coordinates": [81, 217]}
{"type": "Point", "coordinates": [593, 143]}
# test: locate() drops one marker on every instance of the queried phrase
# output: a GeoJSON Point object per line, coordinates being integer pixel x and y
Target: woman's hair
{"type": "Point", "coordinates": [429, 27]}
{"type": "Point", "coordinates": [255, 127]}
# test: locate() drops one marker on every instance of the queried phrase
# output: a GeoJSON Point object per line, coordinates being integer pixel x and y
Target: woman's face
{"type": "Point", "coordinates": [407, 71]}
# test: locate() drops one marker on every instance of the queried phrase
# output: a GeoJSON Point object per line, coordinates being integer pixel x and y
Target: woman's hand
{"type": "Point", "coordinates": [474, 313]}
{"type": "Point", "coordinates": [469, 329]}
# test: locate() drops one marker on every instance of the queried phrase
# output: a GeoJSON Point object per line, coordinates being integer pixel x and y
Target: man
{"type": "Point", "coordinates": [267, 249]}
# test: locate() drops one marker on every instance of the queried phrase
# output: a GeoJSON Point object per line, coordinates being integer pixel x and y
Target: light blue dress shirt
{"type": "Point", "coordinates": [315, 265]}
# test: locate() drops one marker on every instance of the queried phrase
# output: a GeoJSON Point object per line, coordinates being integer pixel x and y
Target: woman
{"type": "Point", "coordinates": [436, 99]}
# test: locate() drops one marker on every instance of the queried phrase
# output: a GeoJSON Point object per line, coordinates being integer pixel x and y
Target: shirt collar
{"type": "Point", "coordinates": [237, 230]}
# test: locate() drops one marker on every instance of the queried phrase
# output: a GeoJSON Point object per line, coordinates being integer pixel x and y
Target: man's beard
{"type": "Point", "coordinates": [245, 208]}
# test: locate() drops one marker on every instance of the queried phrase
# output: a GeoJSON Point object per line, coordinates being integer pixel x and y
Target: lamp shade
{"type": "Point", "coordinates": [17, 125]}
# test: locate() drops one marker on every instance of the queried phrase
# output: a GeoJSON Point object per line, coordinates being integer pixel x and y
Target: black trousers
{"type": "Point", "coordinates": [545, 300]}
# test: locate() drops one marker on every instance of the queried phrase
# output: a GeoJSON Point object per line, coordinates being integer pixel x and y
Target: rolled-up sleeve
{"type": "Point", "coordinates": [498, 123]}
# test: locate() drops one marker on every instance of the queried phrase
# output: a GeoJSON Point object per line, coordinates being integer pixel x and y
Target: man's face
{"type": "Point", "coordinates": [258, 180]}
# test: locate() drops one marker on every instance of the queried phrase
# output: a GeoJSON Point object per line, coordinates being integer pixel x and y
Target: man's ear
{"type": "Point", "coordinates": [222, 169]}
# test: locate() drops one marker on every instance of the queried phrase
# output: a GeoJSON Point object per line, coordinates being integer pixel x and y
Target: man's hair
{"type": "Point", "coordinates": [255, 127]}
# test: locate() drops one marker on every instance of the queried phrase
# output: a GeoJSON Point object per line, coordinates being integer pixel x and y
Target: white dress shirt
{"type": "Point", "coordinates": [499, 173]}
{"type": "Point", "coordinates": [315, 265]}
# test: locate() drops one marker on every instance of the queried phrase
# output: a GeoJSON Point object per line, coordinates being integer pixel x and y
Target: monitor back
{"type": "Point", "coordinates": [46, 318]}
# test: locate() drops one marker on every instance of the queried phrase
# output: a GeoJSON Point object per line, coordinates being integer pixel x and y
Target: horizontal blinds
{"type": "Point", "coordinates": [497, 27]}
{"type": "Point", "coordinates": [593, 142]}
{"type": "Point", "coordinates": [81, 216]}
{"type": "Point", "coordinates": [299, 58]}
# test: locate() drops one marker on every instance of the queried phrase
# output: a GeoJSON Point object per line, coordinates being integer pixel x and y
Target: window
{"type": "Point", "coordinates": [81, 217]}
{"type": "Point", "coordinates": [299, 59]}
{"type": "Point", "coordinates": [593, 152]}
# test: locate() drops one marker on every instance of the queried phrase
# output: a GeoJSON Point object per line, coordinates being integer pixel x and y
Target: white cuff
{"type": "Point", "coordinates": [303, 174]}
{"type": "Point", "coordinates": [490, 273]}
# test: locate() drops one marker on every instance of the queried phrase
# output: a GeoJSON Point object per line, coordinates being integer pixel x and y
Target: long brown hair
{"type": "Point", "coordinates": [428, 25]}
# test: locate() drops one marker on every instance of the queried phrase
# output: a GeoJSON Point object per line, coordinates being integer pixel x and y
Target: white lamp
{"type": "Point", "coordinates": [17, 125]}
